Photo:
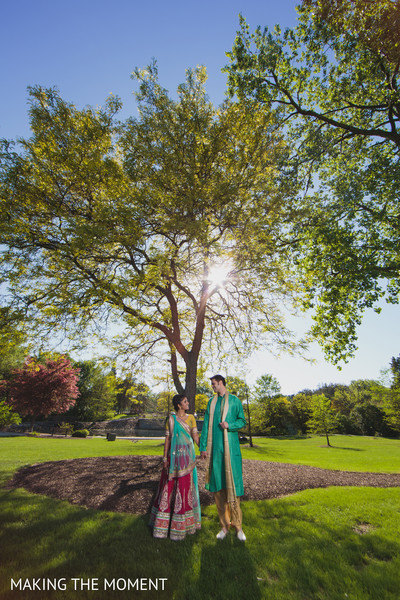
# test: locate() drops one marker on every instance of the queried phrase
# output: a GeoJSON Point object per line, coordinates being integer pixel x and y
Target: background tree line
{"type": "Point", "coordinates": [364, 407]}
{"type": "Point", "coordinates": [90, 391]}
{"type": "Point", "coordinates": [85, 390]}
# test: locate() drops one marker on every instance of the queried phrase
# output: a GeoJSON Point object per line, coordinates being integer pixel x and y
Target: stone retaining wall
{"type": "Point", "coordinates": [130, 426]}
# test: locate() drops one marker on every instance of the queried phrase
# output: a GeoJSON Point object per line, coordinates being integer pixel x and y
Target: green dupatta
{"type": "Point", "coordinates": [182, 454]}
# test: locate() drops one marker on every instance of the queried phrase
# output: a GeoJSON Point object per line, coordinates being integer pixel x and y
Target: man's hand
{"type": "Point", "coordinates": [224, 425]}
{"type": "Point", "coordinates": [203, 454]}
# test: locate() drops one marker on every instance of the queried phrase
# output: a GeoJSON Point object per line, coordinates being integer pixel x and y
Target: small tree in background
{"type": "Point", "coordinates": [273, 411]}
{"type": "Point", "coordinates": [324, 417]}
{"type": "Point", "coordinates": [38, 389]}
{"type": "Point", "coordinates": [239, 388]}
{"type": "Point", "coordinates": [391, 397]}
{"type": "Point", "coordinates": [267, 386]}
{"type": "Point", "coordinates": [200, 403]}
{"type": "Point", "coordinates": [301, 411]}
{"type": "Point", "coordinates": [12, 356]}
{"type": "Point", "coordinates": [164, 402]}
{"type": "Point", "coordinates": [96, 398]}
{"type": "Point", "coordinates": [125, 393]}
{"type": "Point", "coordinates": [7, 416]}
{"type": "Point", "coordinates": [395, 370]}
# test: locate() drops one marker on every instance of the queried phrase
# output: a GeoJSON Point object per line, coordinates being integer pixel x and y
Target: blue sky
{"type": "Point", "coordinates": [87, 49]}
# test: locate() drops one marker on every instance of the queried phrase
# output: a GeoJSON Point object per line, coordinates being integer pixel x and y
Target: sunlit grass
{"type": "Point", "coordinates": [348, 453]}
{"type": "Point", "coordinates": [18, 451]}
{"type": "Point", "coordinates": [328, 544]}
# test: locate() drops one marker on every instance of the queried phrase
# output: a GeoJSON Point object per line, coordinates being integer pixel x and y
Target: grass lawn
{"type": "Point", "coordinates": [330, 544]}
{"type": "Point", "coordinates": [348, 453]}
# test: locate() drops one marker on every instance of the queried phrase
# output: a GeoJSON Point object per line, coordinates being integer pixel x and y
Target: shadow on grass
{"type": "Point", "coordinates": [302, 553]}
{"type": "Point", "coordinates": [227, 572]}
{"type": "Point", "coordinates": [41, 537]}
{"type": "Point", "coordinates": [286, 437]}
{"type": "Point", "coordinates": [344, 448]}
{"type": "Point", "coordinates": [295, 549]}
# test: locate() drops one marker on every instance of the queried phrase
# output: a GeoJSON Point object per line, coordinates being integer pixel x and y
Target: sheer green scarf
{"type": "Point", "coordinates": [182, 454]}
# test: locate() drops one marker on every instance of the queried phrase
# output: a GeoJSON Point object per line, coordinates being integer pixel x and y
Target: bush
{"type": "Point", "coordinates": [80, 433]}
{"type": "Point", "coordinates": [7, 416]}
{"type": "Point", "coordinates": [65, 428]}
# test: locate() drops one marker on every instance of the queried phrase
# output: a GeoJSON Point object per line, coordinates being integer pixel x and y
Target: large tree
{"type": "Point", "coordinates": [129, 221]}
{"type": "Point", "coordinates": [334, 82]}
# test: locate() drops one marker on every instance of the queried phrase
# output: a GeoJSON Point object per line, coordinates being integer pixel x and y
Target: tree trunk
{"type": "Point", "coordinates": [327, 438]}
{"type": "Point", "coordinates": [191, 376]}
{"type": "Point", "coordinates": [174, 370]}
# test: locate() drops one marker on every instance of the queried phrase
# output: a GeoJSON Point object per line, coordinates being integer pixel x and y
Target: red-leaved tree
{"type": "Point", "coordinates": [38, 389]}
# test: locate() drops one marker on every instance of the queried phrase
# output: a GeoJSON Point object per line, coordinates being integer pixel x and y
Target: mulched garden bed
{"type": "Point", "coordinates": [129, 483]}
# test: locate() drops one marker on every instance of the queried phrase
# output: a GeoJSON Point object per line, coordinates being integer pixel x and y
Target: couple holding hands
{"type": "Point", "coordinates": [176, 510]}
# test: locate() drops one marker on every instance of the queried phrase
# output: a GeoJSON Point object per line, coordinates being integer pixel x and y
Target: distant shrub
{"type": "Point", "coordinates": [65, 428]}
{"type": "Point", "coordinates": [7, 416]}
{"type": "Point", "coordinates": [80, 433]}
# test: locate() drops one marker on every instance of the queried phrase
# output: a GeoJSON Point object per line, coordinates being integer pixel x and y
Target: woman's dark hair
{"type": "Point", "coordinates": [177, 399]}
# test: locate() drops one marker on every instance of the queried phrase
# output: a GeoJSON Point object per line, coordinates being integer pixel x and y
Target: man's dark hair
{"type": "Point", "coordinates": [219, 378]}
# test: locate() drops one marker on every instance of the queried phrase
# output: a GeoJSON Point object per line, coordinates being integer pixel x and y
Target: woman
{"type": "Point", "coordinates": [177, 507]}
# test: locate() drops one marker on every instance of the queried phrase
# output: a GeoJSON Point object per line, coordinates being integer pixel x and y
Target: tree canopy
{"type": "Point", "coordinates": [334, 83]}
{"type": "Point", "coordinates": [42, 388]}
{"type": "Point", "coordinates": [131, 221]}
{"type": "Point", "coordinates": [96, 399]}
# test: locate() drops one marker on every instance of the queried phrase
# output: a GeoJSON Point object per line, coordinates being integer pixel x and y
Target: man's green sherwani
{"type": "Point", "coordinates": [235, 419]}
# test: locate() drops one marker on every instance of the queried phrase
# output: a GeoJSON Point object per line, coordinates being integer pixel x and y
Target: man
{"type": "Point", "coordinates": [219, 444]}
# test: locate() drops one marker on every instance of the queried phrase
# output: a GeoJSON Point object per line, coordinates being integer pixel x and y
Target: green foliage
{"type": "Point", "coordinates": [164, 402]}
{"type": "Point", "coordinates": [323, 417]}
{"type": "Point", "coordinates": [269, 410]}
{"type": "Point", "coordinates": [7, 416]}
{"type": "Point", "coordinates": [12, 356]}
{"type": "Point", "coordinates": [103, 220]}
{"type": "Point", "coordinates": [65, 428]}
{"type": "Point", "coordinates": [267, 386]}
{"type": "Point", "coordinates": [201, 401]}
{"type": "Point", "coordinates": [300, 408]}
{"type": "Point", "coordinates": [238, 387]}
{"type": "Point", "coordinates": [96, 398]}
{"type": "Point", "coordinates": [334, 83]}
{"type": "Point", "coordinates": [272, 416]}
{"type": "Point", "coordinates": [203, 384]}
{"type": "Point", "coordinates": [80, 433]}
{"type": "Point", "coordinates": [365, 407]}
{"type": "Point", "coordinates": [131, 395]}
{"type": "Point", "coordinates": [395, 369]}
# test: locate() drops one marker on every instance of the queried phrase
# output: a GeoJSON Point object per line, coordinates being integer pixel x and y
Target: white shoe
{"type": "Point", "coordinates": [241, 536]}
{"type": "Point", "coordinates": [222, 535]}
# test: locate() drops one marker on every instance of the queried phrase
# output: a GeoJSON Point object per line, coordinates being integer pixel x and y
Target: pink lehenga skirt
{"type": "Point", "coordinates": [176, 510]}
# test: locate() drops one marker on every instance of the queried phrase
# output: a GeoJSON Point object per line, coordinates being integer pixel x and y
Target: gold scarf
{"type": "Point", "coordinates": [230, 484]}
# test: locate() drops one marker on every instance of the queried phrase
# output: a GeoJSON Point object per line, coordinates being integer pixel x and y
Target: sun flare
{"type": "Point", "coordinates": [219, 274]}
